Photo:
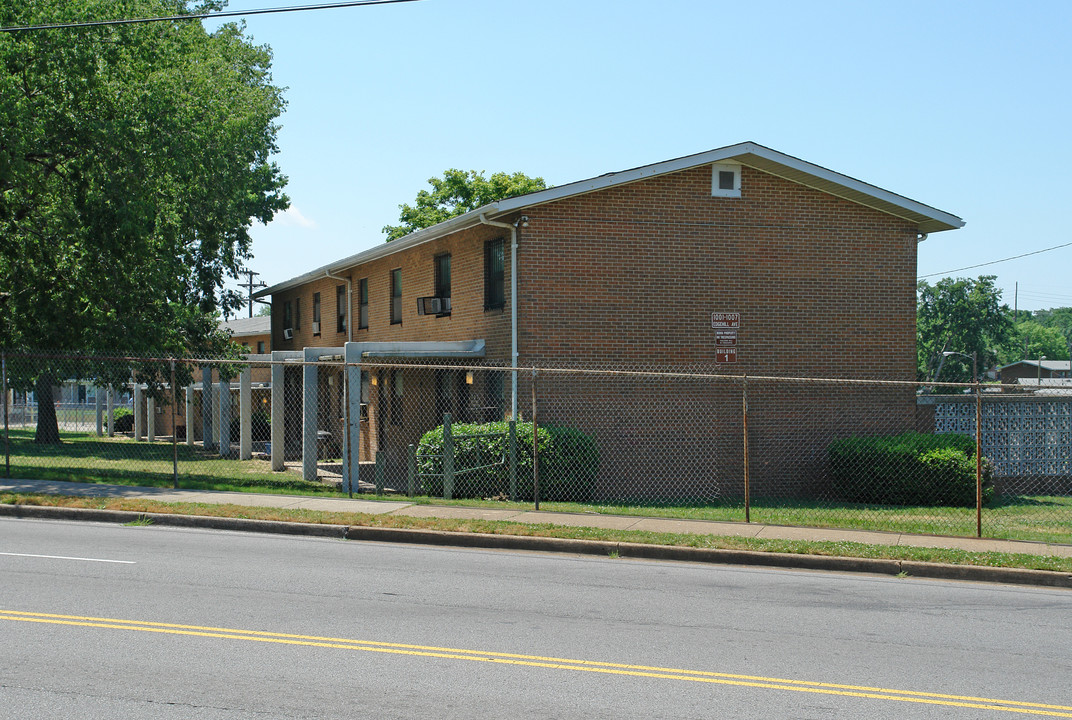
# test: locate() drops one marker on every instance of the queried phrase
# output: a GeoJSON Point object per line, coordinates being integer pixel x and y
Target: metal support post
{"type": "Point", "coordinates": [111, 411]}
{"type": "Point", "coordinates": [7, 441]}
{"type": "Point", "coordinates": [744, 422]}
{"type": "Point", "coordinates": [98, 402]}
{"type": "Point", "coordinates": [174, 429]}
{"type": "Point", "coordinates": [206, 407]}
{"type": "Point", "coordinates": [448, 459]}
{"type": "Point", "coordinates": [225, 417]}
{"type": "Point", "coordinates": [511, 441]}
{"type": "Point", "coordinates": [535, 447]}
{"type": "Point", "coordinates": [380, 470]}
{"type": "Point", "coordinates": [411, 470]}
{"type": "Point", "coordinates": [245, 413]}
{"type": "Point", "coordinates": [978, 459]}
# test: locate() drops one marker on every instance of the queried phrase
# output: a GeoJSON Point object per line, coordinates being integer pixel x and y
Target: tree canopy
{"type": "Point", "coordinates": [963, 316]}
{"type": "Point", "coordinates": [133, 161]}
{"type": "Point", "coordinates": [456, 193]}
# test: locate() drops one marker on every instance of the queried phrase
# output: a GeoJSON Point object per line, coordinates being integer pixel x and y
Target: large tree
{"type": "Point", "coordinates": [456, 193]}
{"type": "Point", "coordinates": [962, 316]}
{"type": "Point", "coordinates": [133, 161]}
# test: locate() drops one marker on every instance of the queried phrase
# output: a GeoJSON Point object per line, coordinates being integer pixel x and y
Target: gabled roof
{"type": "Point", "coordinates": [1051, 365]}
{"type": "Point", "coordinates": [926, 219]}
{"type": "Point", "coordinates": [245, 327]}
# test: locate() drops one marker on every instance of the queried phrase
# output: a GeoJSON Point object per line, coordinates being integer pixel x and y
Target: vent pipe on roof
{"type": "Point", "coordinates": [524, 221]}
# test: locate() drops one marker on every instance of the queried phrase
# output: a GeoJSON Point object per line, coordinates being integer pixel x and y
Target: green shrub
{"type": "Point", "coordinates": [569, 461]}
{"type": "Point", "coordinates": [908, 469]}
{"type": "Point", "coordinates": [124, 419]}
{"type": "Point", "coordinates": [260, 427]}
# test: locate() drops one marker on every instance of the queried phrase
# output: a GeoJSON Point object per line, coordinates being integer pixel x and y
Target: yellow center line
{"type": "Point", "coordinates": [808, 686]}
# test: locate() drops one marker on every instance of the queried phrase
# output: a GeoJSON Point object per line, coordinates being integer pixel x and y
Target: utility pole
{"type": "Point", "coordinates": [250, 286]}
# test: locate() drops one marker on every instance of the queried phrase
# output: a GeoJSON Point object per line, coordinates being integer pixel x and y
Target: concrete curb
{"type": "Point", "coordinates": [973, 573]}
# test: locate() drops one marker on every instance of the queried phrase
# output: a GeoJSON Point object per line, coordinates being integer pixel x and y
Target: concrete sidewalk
{"type": "Point", "coordinates": [615, 522]}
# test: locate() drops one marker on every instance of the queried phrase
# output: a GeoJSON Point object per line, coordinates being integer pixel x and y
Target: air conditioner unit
{"type": "Point", "coordinates": [288, 334]}
{"type": "Point", "coordinates": [433, 306]}
{"type": "Point", "coordinates": [316, 328]}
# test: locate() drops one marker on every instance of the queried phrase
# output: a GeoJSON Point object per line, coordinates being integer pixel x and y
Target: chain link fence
{"type": "Point", "coordinates": [693, 442]}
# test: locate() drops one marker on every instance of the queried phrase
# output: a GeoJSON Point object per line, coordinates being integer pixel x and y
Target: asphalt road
{"type": "Point", "coordinates": [101, 621]}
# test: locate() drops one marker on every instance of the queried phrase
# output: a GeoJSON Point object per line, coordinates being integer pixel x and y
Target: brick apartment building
{"type": "Point", "coordinates": [814, 274]}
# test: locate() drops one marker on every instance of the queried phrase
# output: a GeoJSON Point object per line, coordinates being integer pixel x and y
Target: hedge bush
{"type": "Point", "coordinates": [124, 419]}
{"type": "Point", "coordinates": [569, 461]}
{"type": "Point", "coordinates": [908, 469]}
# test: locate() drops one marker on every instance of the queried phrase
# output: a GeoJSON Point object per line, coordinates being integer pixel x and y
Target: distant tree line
{"type": "Point", "coordinates": [962, 315]}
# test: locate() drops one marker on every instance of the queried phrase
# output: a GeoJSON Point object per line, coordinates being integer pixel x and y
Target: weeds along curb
{"type": "Point", "coordinates": [605, 548]}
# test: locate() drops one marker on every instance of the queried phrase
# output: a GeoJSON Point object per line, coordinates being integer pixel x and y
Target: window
{"type": "Point", "coordinates": [442, 282]}
{"type": "Point", "coordinates": [362, 293]}
{"type": "Point", "coordinates": [288, 315]}
{"type": "Point", "coordinates": [494, 292]}
{"type": "Point", "coordinates": [316, 313]}
{"type": "Point", "coordinates": [260, 347]}
{"type": "Point", "coordinates": [297, 314]}
{"type": "Point", "coordinates": [396, 296]}
{"type": "Point", "coordinates": [726, 180]}
{"type": "Point", "coordinates": [340, 308]}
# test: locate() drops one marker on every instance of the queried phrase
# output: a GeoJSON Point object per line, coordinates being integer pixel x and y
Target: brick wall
{"type": "Point", "coordinates": [630, 276]}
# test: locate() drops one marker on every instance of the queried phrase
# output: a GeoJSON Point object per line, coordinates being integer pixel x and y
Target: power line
{"type": "Point", "coordinates": [202, 16]}
{"type": "Point", "coordinates": [995, 262]}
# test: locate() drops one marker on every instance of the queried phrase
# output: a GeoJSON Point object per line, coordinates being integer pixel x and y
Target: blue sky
{"type": "Point", "coordinates": [962, 106]}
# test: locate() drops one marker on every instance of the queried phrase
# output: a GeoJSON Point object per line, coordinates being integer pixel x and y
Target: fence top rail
{"type": "Point", "coordinates": [265, 360]}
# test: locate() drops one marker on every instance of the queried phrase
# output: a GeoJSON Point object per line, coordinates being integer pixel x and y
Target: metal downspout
{"type": "Point", "coordinates": [513, 307]}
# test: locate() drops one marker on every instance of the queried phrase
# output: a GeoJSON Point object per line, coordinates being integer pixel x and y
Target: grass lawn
{"type": "Point", "coordinates": [86, 458]}
{"type": "Point", "coordinates": [805, 547]}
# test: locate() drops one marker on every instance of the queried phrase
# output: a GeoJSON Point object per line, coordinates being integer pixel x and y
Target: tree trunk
{"type": "Point", "coordinates": [48, 429]}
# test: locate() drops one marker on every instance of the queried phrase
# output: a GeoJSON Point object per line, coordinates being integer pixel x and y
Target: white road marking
{"type": "Point", "coordinates": [62, 557]}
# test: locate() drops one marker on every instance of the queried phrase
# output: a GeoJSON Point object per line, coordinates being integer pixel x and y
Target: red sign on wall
{"type": "Point", "coordinates": [726, 355]}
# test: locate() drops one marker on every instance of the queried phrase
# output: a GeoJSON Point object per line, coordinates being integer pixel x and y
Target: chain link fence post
{"type": "Point", "coordinates": [512, 449]}
{"type": "Point", "coordinates": [7, 442]}
{"type": "Point", "coordinates": [411, 470]}
{"type": "Point", "coordinates": [744, 425]}
{"type": "Point", "coordinates": [535, 447]}
{"type": "Point", "coordinates": [448, 459]}
{"type": "Point", "coordinates": [174, 429]}
{"type": "Point", "coordinates": [978, 459]}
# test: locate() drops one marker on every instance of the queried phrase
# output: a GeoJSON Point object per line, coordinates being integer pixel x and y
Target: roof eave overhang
{"type": "Point", "coordinates": [925, 218]}
{"type": "Point", "coordinates": [447, 227]}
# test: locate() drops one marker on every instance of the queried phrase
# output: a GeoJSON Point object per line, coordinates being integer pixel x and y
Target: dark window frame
{"type": "Point", "coordinates": [316, 311]}
{"type": "Point", "coordinates": [363, 304]}
{"type": "Point", "coordinates": [340, 308]}
{"type": "Point", "coordinates": [396, 296]}
{"type": "Point", "coordinates": [494, 279]}
{"type": "Point", "coordinates": [441, 266]}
